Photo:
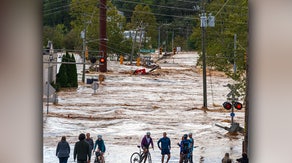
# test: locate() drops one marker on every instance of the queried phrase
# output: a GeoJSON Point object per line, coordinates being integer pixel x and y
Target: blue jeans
{"type": "Point", "coordinates": [63, 159]}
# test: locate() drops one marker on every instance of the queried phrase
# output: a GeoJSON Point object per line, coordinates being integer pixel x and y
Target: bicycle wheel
{"type": "Point", "coordinates": [135, 158]}
{"type": "Point", "coordinates": [149, 158]}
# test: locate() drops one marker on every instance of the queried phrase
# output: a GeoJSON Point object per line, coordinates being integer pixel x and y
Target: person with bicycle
{"type": "Point", "coordinates": [184, 148]}
{"type": "Point", "coordinates": [145, 143]}
{"type": "Point", "coordinates": [101, 147]}
{"type": "Point", "coordinates": [165, 147]}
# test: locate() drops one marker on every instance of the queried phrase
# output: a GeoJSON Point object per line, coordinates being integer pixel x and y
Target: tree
{"type": "Point", "coordinates": [86, 13]}
{"type": "Point", "coordinates": [140, 22]}
{"type": "Point", "coordinates": [54, 34]}
{"type": "Point", "coordinates": [62, 77]}
{"type": "Point", "coordinates": [56, 12]}
{"type": "Point", "coordinates": [67, 76]}
{"type": "Point", "coordinates": [231, 19]}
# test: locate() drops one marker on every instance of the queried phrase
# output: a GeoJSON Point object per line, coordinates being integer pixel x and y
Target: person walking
{"type": "Point", "coordinates": [184, 147]}
{"type": "Point", "coordinates": [99, 143]}
{"type": "Point", "coordinates": [145, 143]}
{"type": "Point", "coordinates": [191, 140]}
{"type": "Point", "coordinates": [226, 158]}
{"type": "Point", "coordinates": [165, 147]}
{"type": "Point", "coordinates": [89, 141]}
{"type": "Point", "coordinates": [82, 150]}
{"type": "Point", "coordinates": [63, 150]}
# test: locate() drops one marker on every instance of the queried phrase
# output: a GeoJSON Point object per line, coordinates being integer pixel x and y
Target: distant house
{"type": "Point", "coordinates": [130, 34]}
{"type": "Point", "coordinates": [49, 69]}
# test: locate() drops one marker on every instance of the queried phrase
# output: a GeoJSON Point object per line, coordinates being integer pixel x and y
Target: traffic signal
{"type": "Point", "coordinates": [227, 105]}
{"type": "Point", "coordinates": [160, 51]}
{"type": "Point", "coordinates": [237, 105]}
{"type": "Point", "coordinates": [102, 60]}
{"type": "Point", "coordinates": [174, 50]}
{"type": "Point", "coordinates": [92, 59]}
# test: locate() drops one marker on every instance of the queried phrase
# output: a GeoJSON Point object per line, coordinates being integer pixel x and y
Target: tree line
{"type": "Point", "coordinates": [166, 22]}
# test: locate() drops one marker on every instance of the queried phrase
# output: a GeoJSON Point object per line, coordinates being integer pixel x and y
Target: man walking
{"type": "Point", "coordinates": [89, 141]}
{"type": "Point", "coordinates": [165, 147]}
{"type": "Point", "coordinates": [82, 150]}
{"type": "Point", "coordinates": [191, 140]}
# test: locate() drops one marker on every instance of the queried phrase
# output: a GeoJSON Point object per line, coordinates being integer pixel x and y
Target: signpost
{"type": "Point", "coordinates": [94, 86]}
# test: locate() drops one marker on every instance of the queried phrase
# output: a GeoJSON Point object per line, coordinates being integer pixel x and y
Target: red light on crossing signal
{"type": "Point", "coordinates": [237, 105]}
{"type": "Point", "coordinates": [227, 105]}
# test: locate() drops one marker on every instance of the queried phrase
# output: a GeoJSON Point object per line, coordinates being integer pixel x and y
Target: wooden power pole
{"type": "Point", "coordinates": [102, 35]}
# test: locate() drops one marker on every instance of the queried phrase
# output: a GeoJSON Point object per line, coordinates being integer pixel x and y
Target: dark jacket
{"type": "Point", "coordinates": [90, 142]}
{"type": "Point", "coordinates": [82, 151]}
{"type": "Point", "coordinates": [242, 160]}
{"type": "Point", "coordinates": [144, 142]}
{"type": "Point", "coordinates": [63, 149]}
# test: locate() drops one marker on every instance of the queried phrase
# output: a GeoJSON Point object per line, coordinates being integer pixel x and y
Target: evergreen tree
{"type": "Point", "coordinates": [74, 75]}
{"type": "Point", "coordinates": [62, 78]}
{"type": "Point", "coordinates": [67, 76]}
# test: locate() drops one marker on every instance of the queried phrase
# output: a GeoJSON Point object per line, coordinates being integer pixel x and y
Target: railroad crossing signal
{"type": "Point", "coordinates": [227, 105]}
{"type": "Point", "coordinates": [237, 105]}
{"type": "Point", "coordinates": [233, 90]}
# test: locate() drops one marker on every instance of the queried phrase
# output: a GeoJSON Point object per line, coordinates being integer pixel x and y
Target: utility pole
{"type": "Point", "coordinates": [234, 74]}
{"type": "Point", "coordinates": [203, 26]}
{"type": "Point", "coordinates": [133, 47]}
{"type": "Point", "coordinates": [159, 37]}
{"type": "Point", "coordinates": [205, 22]}
{"type": "Point", "coordinates": [245, 142]}
{"type": "Point", "coordinates": [83, 36]}
{"type": "Point", "coordinates": [172, 38]}
{"type": "Point", "coordinates": [51, 51]}
{"type": "Point", "coordinates": [102, 35]}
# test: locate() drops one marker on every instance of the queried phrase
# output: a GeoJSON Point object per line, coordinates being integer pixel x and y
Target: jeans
{"type": "Point", "coordinates": [63, 159]}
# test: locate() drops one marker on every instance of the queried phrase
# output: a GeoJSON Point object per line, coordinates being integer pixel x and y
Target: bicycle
{"type": "Point", "coordinates": [137, 157]}
{"type": "Point", "coordinates": [98, 158]}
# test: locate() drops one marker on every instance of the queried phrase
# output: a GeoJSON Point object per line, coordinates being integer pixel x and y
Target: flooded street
{"type": "Point", "coordinates": [126, 106]}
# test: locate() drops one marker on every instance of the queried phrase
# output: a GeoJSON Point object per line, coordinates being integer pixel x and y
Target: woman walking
{"type": "Point", "coordinates": [63, 150]}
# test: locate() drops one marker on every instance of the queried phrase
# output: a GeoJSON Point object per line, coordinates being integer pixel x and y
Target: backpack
{"type": "Point", "coordinates": [185, 146]}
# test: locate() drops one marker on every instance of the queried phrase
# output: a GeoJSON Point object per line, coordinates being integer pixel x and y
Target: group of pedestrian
{"type": "Point", "coordinates": [227, 159]}
{"type": "Point", "coordinates": [164, 145]}
{"type": "Point", "coordinates": [186, 147]}
{"type": "Point", "coordinates": [82, 149]}
{"type": "Point", "coordinates": [86, 146]}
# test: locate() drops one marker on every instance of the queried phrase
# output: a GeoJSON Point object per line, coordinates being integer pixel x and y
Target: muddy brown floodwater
{"type": "Point", "coordinates": [126, 106]}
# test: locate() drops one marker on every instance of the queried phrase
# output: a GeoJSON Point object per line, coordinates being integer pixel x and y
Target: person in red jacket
{"type": "Point", "coordinates": [145, 143]}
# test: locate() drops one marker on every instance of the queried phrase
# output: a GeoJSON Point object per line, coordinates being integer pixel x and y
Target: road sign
{"type": "Point", "coordinates": [232, 114]}
{"type": "Point", "coordinates": [233, 90]}
{"type": "Point", "coordinates": [95, 85]}
{"type": "Point", "coordinates": [48, 90]}
{"type": "Point", "coordinates": [147, 50]}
